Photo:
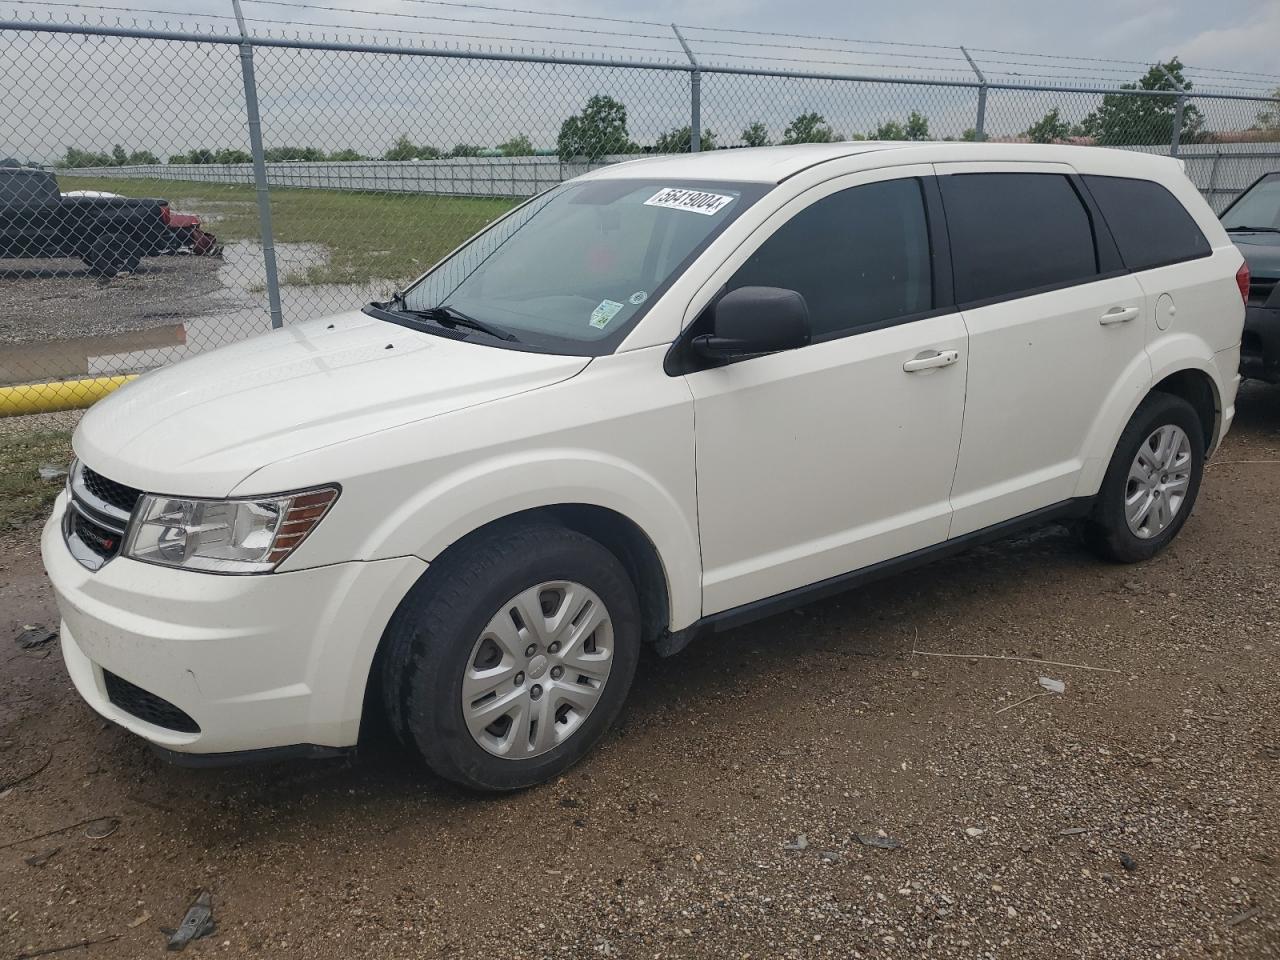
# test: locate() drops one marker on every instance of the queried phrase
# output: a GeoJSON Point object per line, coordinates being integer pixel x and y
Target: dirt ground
{"type": "Point", "coordinates": [1135, 815]}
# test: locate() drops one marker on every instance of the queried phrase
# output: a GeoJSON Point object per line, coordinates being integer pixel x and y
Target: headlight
{"type": "Point", "coordinates": [224, 536]}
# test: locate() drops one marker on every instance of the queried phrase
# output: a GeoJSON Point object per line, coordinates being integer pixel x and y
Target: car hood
{"type": "Point", "coordinates": [202, 426]}
{"type": "Point", "coordinates": [1262, 251]}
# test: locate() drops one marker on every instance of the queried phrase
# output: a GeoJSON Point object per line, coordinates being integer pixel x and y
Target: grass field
{"type": "Point", "coordinates": [23, 495]}
{"type": "Point", "coordinates": [369, 236]}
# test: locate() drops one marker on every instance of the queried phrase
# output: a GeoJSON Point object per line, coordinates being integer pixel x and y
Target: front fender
{"type": "Point", "coordinates": [454, 505]}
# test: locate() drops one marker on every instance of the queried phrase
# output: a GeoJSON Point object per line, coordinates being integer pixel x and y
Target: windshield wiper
{"type": "Point", "coordinates": [450, 316]}
{"type": "Point", "coordinates": [1253, 229]}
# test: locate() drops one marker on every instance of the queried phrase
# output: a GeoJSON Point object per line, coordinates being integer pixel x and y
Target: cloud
{"type": "Point", "coordinates": [1249, 44]}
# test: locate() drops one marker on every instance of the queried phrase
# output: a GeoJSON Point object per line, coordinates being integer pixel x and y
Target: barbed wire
{"type": "Point", "coordinates": [708, 41]}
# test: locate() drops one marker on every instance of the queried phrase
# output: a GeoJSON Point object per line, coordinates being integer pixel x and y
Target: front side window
{"type": "Point", "coordinates": [1258, 208]}
{"type": "Point", "coordinates": [1014, 233]}
{"type": "Point", "coordinates": [859, 257]}
{"type": "Point", "coordinates": [1150, 226]}
{"type": "Point", "coordinates": [573, 269]}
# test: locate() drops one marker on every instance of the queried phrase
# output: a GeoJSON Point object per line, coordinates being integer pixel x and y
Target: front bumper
{"type": "Point", "coordinates": [1260, 348]}
{"type": "Point", "coordinates": [255, 661]}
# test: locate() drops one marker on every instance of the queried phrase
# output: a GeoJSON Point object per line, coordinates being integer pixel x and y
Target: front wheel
{"type": "Point", "coordinates": [1151, 483]}
{"type": "Point", "coordinates": [512, 656]}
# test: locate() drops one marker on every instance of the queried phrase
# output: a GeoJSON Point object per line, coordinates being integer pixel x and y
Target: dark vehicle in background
{"type": "Point", "coordinates": [186, 230]}
{"type": "Point", "coordinates": [109, 234]}
{"type": "Point", "coordinates": [1253, 221]}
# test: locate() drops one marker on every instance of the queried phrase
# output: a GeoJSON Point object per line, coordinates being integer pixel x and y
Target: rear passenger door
{"type": "Point", "coordinates": [1055, 333]}
{"type": "Point", "coordinates": [1171, 258]}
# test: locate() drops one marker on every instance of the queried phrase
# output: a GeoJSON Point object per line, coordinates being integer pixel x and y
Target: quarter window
{"type": "Point", "coordinates": [859, 257]}
{"type": "Point", "coordinates": [1015, 233]}
{"type": "Point", "coordinates": [1150, 226]}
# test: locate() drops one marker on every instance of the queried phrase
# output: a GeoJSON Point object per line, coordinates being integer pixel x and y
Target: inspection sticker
{"type": "Point", "coordinates": [695, 201]}
{"type": "Point", "coordinates": [602, 314]}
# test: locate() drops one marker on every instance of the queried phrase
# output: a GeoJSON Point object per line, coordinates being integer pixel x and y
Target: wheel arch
{"type": "Point", "coordinates": [1177, 369]}
{"type": "Point", "coordinates": [616, 532]}
{"type": "Point", "coordinates": [1198, 389]}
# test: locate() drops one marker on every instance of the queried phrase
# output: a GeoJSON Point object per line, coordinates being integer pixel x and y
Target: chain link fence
{"type": "Point", "coordinates": [162, 194]}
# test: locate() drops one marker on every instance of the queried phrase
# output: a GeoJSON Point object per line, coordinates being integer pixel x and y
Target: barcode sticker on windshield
{"type": "Point", "coordinates": [602, 314]}
{"type": "Point", "coordinates": [695, 201]}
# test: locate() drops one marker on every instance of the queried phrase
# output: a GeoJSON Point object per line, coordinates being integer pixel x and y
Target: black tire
{"type": "Point", "coordinates": [430, 639]}
{"type": "Point", "coordinates": [107, 256]}
{"type": "Point", "coordinates": [1106, 530]}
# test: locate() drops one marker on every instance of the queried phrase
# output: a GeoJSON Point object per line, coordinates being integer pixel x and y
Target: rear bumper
{"type": "Point", "coordinates": [252, 662]}
{"type": "Point", "coordinates": [1260, 347]}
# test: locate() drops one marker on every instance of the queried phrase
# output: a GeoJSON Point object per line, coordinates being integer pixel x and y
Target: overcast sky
{"type": "Point", "coordinates": [1238, 35]}
{"type": "Point", "coordinates": [171, 97]}
{"type": "Point", "coordinates": [1233, 34]}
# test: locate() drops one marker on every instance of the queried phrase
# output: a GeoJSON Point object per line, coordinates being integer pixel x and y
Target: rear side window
{"type": "Point", "coordinates": [859, 257]}
{"type": "Point", "coordinates": [1150, 226]}
{"type": "Point", "coordinates": [21, 187]}
{"type": "Point", "coordinates": [1014, 233]}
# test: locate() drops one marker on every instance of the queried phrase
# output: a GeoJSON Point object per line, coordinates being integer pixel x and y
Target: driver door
{"type": "Point", "coordinates": [818, 461]}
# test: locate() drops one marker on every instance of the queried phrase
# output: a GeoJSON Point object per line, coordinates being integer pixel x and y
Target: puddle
{"type": "Point", "coordinates": [228, 303]}
{"type": "Point", "coordinates": [243, 278]}
{"type": "Point", "coordinates": [242, 267]}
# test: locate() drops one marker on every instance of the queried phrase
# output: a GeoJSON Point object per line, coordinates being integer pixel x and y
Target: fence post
{"type": "Point", "coordinates": [1179, 108]}
{"type": "Point", "coordinates": [979, 129]}
{"type": "Point", "coordinates": [695, 95]}
{"type": "Point", "coordinates": [259, 170]}
{"type": "Point", "coordinates": [1179, 111]}
{"type": "Point", "coordinates": [1212, 191]}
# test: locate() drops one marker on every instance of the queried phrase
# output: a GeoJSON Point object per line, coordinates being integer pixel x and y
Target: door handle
{"type": "Point", "coordinates": [930, 359]}
{"type": "Point", "coordinates": [1119, 315]}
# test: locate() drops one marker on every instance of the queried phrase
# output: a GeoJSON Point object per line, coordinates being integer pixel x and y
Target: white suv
{"type": "Point", "coordinates": [671, 395]}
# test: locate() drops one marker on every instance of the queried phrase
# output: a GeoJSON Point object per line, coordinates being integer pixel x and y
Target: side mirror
{"type": "Point", "coordinates": [751, 321]}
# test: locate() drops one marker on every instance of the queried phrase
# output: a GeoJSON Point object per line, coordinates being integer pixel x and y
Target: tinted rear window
{"type": "Point", "coordinates": [1149, 224]}
{"type": "Point", "coordinates": [1016, 232]}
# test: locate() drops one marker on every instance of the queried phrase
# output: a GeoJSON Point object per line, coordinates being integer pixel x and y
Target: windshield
{"type": "Point", "coordinates": [1259, 207]}
{"type": "Point", "coordinates": [573, 269]}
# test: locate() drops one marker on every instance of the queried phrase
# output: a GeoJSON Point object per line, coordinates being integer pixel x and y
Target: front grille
{"type": "Point", "coordinates": [137, 702]}
{"type": "Point", "coordinates": [108, 491]}
{"type": "Point", "coordinates": [101, 540]}
{"type": "Point", "coordinates": [97, 516]}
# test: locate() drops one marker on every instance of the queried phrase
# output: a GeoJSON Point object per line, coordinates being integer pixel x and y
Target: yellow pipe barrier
{"type": "Point", "coordinates": [31, 398]}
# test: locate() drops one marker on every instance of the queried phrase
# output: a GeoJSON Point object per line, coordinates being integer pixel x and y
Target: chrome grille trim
{"type": "Point", "coordinates": [84, 504]}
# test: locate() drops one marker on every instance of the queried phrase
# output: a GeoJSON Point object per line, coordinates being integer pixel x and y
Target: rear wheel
{"type": "Point", "coordinates": [109, 254]}
{"type": "Point", "coordinates": [511, 658]}
{"type": "Point", "coordinates": [1151, 483]}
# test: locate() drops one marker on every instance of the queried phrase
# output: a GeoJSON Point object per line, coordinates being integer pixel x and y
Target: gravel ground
{"type": "Point", "coordinates": [43, 300]}
{"type": "Point", "coordinates": [58, 420]}
{"type": "Point", "coordinates": [59, 322]}
{"type": "Point", "coordinates": [1135, 815]}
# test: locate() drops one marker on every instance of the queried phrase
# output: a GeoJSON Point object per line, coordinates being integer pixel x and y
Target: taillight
{"type": "Point", "coordinates": [164, 213]}
{"type": "Point", "coordinates": [1242, 281]}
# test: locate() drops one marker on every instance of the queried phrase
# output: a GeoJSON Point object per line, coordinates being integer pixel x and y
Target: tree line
{"type": "Point", "coordinates": [402, 149]}
{"type": "Point", "coordinates": [600, 129]}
